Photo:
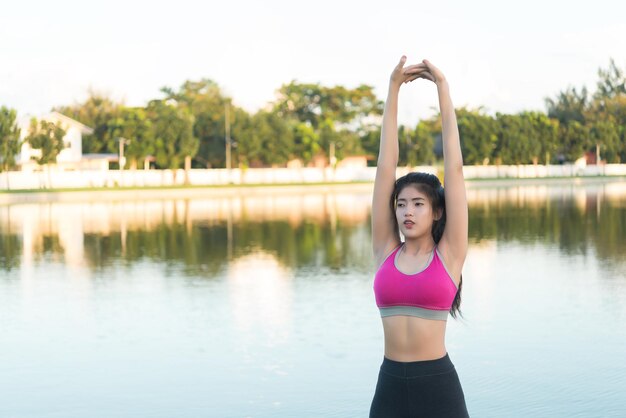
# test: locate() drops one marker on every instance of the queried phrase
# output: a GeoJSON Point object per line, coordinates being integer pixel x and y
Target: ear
{"type": "Point", "coordinates": [439, 214]}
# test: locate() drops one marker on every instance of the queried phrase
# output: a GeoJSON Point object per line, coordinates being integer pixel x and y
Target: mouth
{"type": "Point", "coordinates": [409, 224]}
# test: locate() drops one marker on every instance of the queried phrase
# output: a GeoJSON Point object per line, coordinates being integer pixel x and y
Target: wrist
{"type": "Point", "coordinates": [394, 85]}
{"type": "Point", "coordinates": [443, 83]}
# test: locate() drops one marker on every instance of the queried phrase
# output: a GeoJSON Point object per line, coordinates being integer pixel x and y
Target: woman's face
{"type": "Point", "coordinates": [414, 212]}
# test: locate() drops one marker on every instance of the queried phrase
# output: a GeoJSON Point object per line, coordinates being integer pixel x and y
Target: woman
{"type": "Point", "coordinates": [419, 280]}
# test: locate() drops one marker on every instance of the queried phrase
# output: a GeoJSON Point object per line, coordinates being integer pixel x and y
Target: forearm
{"type": "Point", "coordinates": [452, 156]}
{"type": "Point", "coordinates": [388, 153]}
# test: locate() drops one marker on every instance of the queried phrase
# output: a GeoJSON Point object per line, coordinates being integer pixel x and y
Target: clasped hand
{"type": "Point", "coordinates": [425, 69]}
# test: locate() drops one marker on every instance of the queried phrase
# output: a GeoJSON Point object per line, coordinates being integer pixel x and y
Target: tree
{"type": "Point", "coordinates": [416, 146]}
{"type": "Point", "coordinates": [206, 102]}
{"type": "Point", "coordinates": [306, 141]}
{"type": "Point", "coordinates": [423, 138]}
{"type": "Point", "coordinates": [605, 135]}
{"type": "Point", "coordinates": [9, 140]}
{"type": "Point", "coordinates": [314, 103]}
{"type": "Point", "coordinates": [47, 137]}
{"type": "Point", "coordinates": [96, 112]}
{"type": "Point", "coordinates": [536, 135]}
{"type": "Point", "coordinates": [347, 143]}
{"type": "Point", "coordinates": [569, 105]}
{"type": "Point", "coordinates": [600, 121]}
{"type": "Point", "coordinates": [612, 82]}
{"type": "Point", "coordinates": [267, 140]}
{"type": "Point", "coordinates": [608, 113]}
{"type": "Point", "coordinates": [339, 118]}
{"type": "Point", "coordinates": [172, 129]}
{"type": "Point", "coordinates": [132, 123]}
{"type": "Point", "coordinates": [547, 131]}
{"type": "Point", "coordinates": [477, 132]}
{"type": "Point", "coordinates": [574, 140]}
{"type": "Point", "coordinates": [328, 137]}
{"type": "Point", "coordinates": [512, 147]}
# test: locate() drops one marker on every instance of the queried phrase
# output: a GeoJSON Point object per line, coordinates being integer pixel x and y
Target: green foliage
{"type": "Point", "coordinates": [9, 138]}
{"type": "Point", "coordinates": [347, 143]}
{"type": "Point", "coordinates": [538, 134]}
{"type": "Point", "coordinates": [308, 120]}
{"type": "Point", "coordinates": [511, 147]}
{"type": "Point", "coordinates": [478, 133]}
{"type": "Point", "coordinates": [322, 242]}
{"type": "Point", "coordinates": [96, 112]}
{"type": "Point", "coordinates": [306, 141]}
{"type": "Point", "coordinates": [326, 117]}
{"type": "Point", "coordinates": [416, 146]}
{"type": "Point", "coordinates": [205, 101]}
{"type": "Point", "coordinates": [600, 120]}
{"type": "Point", "coordinates": [605, 134]}
{"type": "Point", "coordinates": [314, 103]}
{"type": "Point", "coordinates": [268, 139]}
{"type": "Point", "coordinates": [47, 137]}
{"type": "Point", "coordinates": [569, 105]}
{"type": "Point", "coordinates": [574, 140]}
{"type": "Point", "coordinates": [172, 130]}
{"type": "Point", "coordinates": [611, 83]}
{"type": "Point", "coordinates": [132, 123]}
{"type": "Point", "coordinates": [547, 130]}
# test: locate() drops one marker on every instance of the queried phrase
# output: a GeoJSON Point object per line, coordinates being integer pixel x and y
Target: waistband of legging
{"type": "Point", "coordinates": [417, 368]}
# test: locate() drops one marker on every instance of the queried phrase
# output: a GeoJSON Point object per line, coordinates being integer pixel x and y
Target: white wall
{"type": "Point", "coordinates": [74, 152]}
{"type": "Point", "coordinates": [213, 177]}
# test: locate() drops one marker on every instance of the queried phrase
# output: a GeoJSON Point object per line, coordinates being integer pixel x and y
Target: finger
{"type": "Point", "coordinates": [420, 74]}
{"type": "Point", "coordinates": [402, 61]}
{"type": "Point", "coordinates": [428, 76]}
{"type": "Point", "coordinates": [415, 70]}
{"type": "Point", "coordinates": [429, 64]}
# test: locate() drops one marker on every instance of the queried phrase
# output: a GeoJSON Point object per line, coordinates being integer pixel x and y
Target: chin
{"type": "Point", "coordinates": [411, 233]}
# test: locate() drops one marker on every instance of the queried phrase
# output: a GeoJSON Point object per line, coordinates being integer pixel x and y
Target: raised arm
{"type": "Point", "coordinates": [455, 236]}
{"type": "Point", "coordinates": [385, 234]}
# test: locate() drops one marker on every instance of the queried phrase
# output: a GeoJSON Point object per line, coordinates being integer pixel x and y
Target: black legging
{"type": "Point", "coordinates": [416, 389]}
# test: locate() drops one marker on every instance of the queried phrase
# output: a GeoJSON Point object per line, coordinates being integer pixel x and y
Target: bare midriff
{"type": "Point", "coordinates": [410, 338]}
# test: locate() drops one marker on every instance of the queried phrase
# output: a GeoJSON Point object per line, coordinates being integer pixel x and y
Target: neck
{"type": "Point", "coordinates": [419, 246]}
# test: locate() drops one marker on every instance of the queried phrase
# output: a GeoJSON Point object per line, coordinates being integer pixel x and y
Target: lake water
{"type": "Point", "coordinates": [261, 305]}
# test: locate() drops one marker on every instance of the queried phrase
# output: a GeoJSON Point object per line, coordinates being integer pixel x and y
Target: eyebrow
{"type": "Point", "coordinates": [415, 198]}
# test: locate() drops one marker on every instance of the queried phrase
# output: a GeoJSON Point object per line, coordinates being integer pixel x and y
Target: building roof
{"type": "Point", "coordinates": [84, 129]}
{"type": "Point", "coordinates": [24, 122]}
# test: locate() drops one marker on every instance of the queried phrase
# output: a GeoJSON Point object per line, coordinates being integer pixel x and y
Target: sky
{"type": "Point", "coordinates": [503, 56]}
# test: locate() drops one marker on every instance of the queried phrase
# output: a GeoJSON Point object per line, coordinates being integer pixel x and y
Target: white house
{"type": "Point", "coordinates": [71, 157]}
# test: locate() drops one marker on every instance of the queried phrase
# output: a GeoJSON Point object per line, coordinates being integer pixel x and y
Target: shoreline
{"type": "Point", "coordinates": [8, 197]}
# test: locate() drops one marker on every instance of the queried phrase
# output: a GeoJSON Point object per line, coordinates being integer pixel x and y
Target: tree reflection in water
{"type": "Point", "coordinates": [318, 230]}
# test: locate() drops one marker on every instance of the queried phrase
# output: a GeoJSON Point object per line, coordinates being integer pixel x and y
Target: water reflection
{"type": "Point", "coordinates": [298, 229]}
{"type": "Point", "coordinates": [260, 296]}
{"type": "Point", "coordinates": [269, 291]}
{"type": "Point", "coordinates": [576, 219]}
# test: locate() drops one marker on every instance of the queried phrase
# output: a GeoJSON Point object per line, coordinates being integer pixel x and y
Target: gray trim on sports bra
{"type": "Point", "coordinates": [430, 260]}
{"type": "Point", "coordinates": [446, 268]}
{"type": "Point", "coordinates": [441, 315]}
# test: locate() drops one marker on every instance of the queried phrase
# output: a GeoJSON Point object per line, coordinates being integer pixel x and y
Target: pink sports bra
{"type": "Point", "coordinates": [428, 294]}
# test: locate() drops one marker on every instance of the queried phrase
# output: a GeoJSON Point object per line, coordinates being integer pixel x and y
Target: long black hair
{"type": "Point", "coordinates": [430, 185]}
